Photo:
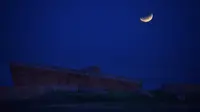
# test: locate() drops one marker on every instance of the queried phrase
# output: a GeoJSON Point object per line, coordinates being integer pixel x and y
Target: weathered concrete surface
{"type": "Point", "coordinates": [25, 92]}
{"type": "Point", "coordinates": [46, 76]}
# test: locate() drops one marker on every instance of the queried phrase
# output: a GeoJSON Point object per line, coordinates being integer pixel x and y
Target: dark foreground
{"type": "Point", "coordinates": [98, 107]}
{"type": "Point", "coordinates": [65, 102]}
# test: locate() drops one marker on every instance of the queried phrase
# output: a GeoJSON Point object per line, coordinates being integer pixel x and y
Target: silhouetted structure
{"type": "Point", "coordinates": [24, 75]}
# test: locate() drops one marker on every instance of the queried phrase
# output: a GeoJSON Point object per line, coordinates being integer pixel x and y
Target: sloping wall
{"type": "Point", "coordinates": [39, 76]}
{"type": "Point", "coordinates": [25, 92]}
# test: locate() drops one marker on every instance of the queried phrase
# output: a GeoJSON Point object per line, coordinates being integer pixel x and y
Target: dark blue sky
{"type": "Point", "coordinates": [106, 33]}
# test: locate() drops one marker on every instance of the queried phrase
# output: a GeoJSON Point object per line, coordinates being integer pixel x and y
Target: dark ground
{"type": "Point", "coordinates": [60, 101]}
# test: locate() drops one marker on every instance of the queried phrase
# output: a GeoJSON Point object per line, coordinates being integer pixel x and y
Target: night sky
{"type": "Point", "coordinates": [105, 33]}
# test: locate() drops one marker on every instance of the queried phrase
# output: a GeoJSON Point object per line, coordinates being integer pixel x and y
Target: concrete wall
{"type": "Point", "coordinates": [19, 92]}
{"type": "Point", "coordinates": [25, 92]}
{"type": "Point", "coordinates": [40, 76]}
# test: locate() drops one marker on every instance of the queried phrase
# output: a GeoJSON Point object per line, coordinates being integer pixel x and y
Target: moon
{"type": "Point", "coordinates": [147, 18]}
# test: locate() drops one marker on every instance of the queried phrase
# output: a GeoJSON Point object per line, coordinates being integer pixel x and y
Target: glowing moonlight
{"type": "Point", "coordinates": [147, 19]}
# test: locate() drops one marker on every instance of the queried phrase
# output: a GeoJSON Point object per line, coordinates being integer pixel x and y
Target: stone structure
{"type": "Point", "coordinates": [55, 77]}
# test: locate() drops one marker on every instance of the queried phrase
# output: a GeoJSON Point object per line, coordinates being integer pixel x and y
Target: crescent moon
{"type": "Point", "coordinates": [147, 19]}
